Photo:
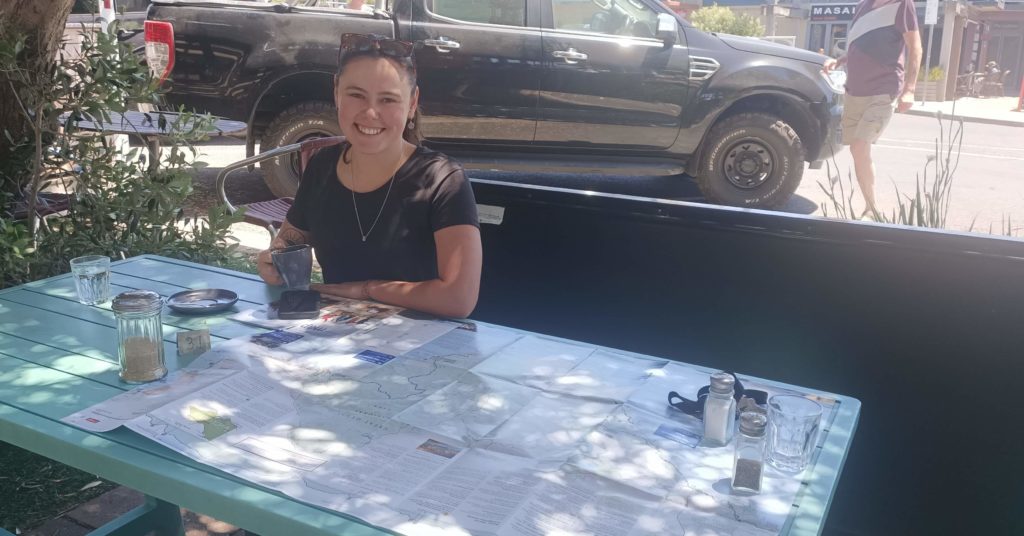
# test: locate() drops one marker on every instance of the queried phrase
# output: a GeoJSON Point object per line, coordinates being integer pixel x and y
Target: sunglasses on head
{"type": "Point", "coordinates": [392, 48]}
{"type": "Point", "coordinates": [695, 408]}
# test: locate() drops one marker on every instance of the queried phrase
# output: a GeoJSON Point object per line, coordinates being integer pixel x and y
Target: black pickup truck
{"type": "Point", "coordinates": [622, 86]}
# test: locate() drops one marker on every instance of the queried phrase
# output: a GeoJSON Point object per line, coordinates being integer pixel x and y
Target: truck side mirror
{"type": "Point", "coordinates": [668, 29]}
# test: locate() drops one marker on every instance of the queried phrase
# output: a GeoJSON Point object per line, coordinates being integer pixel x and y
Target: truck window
{"type": "Point", "coordinates": [612, 17]}
{"type": "Point", "coordinates": [505, 12]}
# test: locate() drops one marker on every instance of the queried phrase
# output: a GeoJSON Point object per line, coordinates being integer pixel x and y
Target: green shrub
{"type": "Point", "coordinates": [935, 74]}
{"type": "Point", "coordinates": [721, 19]}
{"type": "Point", "coordinates": [119, 206]}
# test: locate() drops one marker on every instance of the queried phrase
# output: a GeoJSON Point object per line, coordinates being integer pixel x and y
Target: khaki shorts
{"type": "Point", "coordinates": [864, 118]}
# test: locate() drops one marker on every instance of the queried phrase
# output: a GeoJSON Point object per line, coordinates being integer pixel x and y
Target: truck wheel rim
{"type": "Point", "coordinates": [748, 163]}
{"type": "Point", "coordinates": [295, 159]}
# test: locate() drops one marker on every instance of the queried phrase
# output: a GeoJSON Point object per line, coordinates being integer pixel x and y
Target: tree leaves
{"type": "Point", "coordinates": [119, 207]}
{"type": "Point", "coordinates": [721, 19]}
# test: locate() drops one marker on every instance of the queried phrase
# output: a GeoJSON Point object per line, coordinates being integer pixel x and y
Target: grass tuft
{"type": "Point", "coordinates": [35, 489]}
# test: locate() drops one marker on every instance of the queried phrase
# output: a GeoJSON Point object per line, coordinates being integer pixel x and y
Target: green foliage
{"type": "Point", "coordinates": [721, 19]}
{"type": "Point", "coordinates": [119, 206]}
{"type": "Point", "coordinates": [16, 250]}
{"type": "Point", "coordinates": [935, 74]}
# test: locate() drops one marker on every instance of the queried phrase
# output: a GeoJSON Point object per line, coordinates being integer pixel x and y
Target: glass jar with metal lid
{"type": "Point", "coordinates": [140, 348]}
{"type": "Point", "coordinates": [748, 463]}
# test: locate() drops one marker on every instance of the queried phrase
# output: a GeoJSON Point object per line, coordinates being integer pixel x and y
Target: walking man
{"type": "Point", "coordinates": [882, 60]}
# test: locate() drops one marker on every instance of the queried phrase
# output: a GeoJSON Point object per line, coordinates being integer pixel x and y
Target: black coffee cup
{"type": "Point", "coordinates": [295, 264]}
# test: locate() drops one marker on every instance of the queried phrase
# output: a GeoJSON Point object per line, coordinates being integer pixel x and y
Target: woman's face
{"type": "Point", "coordinates": [374, 101]}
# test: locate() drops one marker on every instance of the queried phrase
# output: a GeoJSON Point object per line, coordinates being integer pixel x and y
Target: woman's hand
{"type": "Point", "coordinates": [266, 269]}
{"type": "Point", "coordinates": [289, 235]}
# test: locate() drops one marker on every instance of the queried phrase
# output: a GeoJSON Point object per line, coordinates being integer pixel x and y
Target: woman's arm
{"type": "Point", "coordinates": [289, 235]}
{"type": "Point", "coordinates": [453, 294]}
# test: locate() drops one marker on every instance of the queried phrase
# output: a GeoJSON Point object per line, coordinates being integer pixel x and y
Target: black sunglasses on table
{"type": "Point", "coordinates": [386, 46]}
{"type": "Point", "coordinates": [695, 408]}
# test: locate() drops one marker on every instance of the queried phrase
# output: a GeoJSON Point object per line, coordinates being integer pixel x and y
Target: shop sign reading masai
{"type": "Point", "coordinates": [833, 12]}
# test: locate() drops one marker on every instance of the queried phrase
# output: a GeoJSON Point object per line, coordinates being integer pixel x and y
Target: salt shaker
{"type": "Point", "coordinates": [720, 410]}
{"type": "Point", "coordinates": [140, 348]}
{"type": "Point", "coordinates": [748, 464]}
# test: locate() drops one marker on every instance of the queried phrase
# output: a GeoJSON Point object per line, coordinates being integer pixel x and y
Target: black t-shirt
{"type": "Point", "coordinates": [430, 192]}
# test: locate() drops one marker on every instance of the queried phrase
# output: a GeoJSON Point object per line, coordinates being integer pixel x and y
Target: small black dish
{"type": "Point", "coordinates": [202, 301]}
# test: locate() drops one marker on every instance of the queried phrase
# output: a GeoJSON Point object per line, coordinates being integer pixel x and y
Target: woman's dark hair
{"type": "Point", "coordinates": [411, 133]}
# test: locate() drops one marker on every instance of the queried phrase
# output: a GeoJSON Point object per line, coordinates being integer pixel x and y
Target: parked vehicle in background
{"type": "Point", "coordinates": [623, 86]}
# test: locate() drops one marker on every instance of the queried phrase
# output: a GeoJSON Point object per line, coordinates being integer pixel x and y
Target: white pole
{"type": "Point", "coordinates": [928, 56]}
{"type": "Point", "coordinates": [107, 14]}
{"type": "Point", "coordinates": [931, 17]}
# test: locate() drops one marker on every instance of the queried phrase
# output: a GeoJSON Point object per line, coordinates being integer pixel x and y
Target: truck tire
{"type": "Point", "coordinates": [751, 160]}
{"type": "Point", "coordinates": [315, 119]}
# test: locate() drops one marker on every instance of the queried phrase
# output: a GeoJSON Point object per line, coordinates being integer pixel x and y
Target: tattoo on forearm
{"type": "Point", "coordinates": [292, 237]}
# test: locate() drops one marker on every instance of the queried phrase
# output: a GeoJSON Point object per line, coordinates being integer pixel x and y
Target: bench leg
{"type": "Point", "coordinates": [163, 518]}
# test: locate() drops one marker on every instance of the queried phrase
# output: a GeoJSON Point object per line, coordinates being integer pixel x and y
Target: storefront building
{"type": "Point", "coordinates": [966, 36]}
{"type": "Point", "coordinates": [827, 27]}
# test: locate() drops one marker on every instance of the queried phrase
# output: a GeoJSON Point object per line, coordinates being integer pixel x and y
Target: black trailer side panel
{"type": "Point", "coordinates": [925, 328]}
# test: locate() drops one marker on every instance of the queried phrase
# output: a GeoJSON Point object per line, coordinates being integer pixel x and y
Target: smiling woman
{"type": "Point", "coordinates": [388, 219]}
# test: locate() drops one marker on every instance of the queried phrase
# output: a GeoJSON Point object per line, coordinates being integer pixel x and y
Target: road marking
{"type": "Point", "coordinates": [962, 154]}
{"type": "Point", "coordinates": [932, 142]}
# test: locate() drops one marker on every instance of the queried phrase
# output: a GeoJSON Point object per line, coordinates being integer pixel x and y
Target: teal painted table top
{"type": "Point", "coordinates": [58, 357]}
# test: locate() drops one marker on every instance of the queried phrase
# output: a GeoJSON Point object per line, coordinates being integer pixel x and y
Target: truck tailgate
{"type": "Point", "coordinates": [219, 44]}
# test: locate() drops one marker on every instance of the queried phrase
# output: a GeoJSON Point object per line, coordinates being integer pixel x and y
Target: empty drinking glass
{"type": "Point", "coordinates": [92, 278]}
{"type": "Point", "coordinates": [793, 423]}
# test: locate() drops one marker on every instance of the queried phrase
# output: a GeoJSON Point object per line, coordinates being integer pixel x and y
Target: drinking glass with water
{"type": "Point", "coordinates": [92, 278]}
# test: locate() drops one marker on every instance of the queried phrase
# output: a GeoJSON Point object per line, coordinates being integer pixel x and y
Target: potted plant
{"type": "Point", "coordinates": [929, 82]}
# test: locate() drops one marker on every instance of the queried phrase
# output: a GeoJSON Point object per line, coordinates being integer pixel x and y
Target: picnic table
{"type": "Point", "coordinates": [151, 127]}
{"type": "Point", "coordinates": [58, 357]}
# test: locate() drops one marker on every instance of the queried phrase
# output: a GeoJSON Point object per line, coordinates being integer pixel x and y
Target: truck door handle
{"type": "Point", "coordinates": [571, 56]}
{"type": "Point", "coordinates": [443, 44]}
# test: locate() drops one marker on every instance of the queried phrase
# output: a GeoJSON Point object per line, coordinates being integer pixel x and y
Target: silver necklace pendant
{"type": "Point", "coordinates": [355, 206]}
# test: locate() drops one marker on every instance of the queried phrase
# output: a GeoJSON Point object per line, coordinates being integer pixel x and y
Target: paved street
{"type": "Point", "coordinates": [988, 184]}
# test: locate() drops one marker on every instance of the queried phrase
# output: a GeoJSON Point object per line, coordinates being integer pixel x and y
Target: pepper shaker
{"type": "Point", "coordinates": [140, 348]}
{"type": "Point", "coordinates": [748, 464]}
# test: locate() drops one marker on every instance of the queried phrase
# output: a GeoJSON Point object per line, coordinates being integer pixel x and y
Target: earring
{"type": "Point", "coordinates": [410, 125]}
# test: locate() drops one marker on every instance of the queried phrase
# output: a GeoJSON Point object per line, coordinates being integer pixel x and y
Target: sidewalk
{"type": "Point", "coordinates": [993, 111]}
{"type": "Point", "coordinates": [97, 512]}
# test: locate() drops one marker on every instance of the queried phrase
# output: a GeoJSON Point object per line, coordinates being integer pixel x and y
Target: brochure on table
{"type": "Point", "coordinates": [427, 427]}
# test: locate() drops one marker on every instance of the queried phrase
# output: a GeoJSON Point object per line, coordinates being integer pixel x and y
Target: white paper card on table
{"type": "Point", "coordinates": [193, 343]}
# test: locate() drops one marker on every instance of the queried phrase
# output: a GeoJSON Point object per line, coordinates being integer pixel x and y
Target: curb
{"type": "Point", "coordinates": [970, 118]}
